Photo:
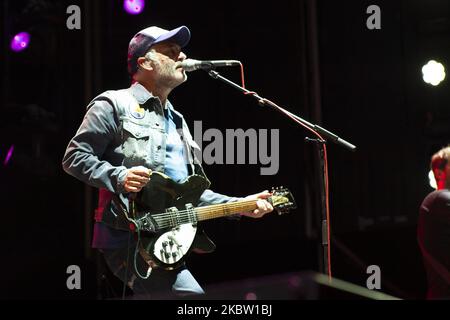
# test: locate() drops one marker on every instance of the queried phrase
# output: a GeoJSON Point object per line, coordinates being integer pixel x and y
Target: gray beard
{"type": "Point", "coordinates": [168, 77]}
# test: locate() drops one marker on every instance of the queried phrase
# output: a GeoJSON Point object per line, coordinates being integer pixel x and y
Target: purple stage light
{"type": "Point", "coordinates": [251, 296]}
{"type": "Point", "coordinates": [20, 41]}
{"type": "Point", "coordinates": [9, 155]}
{"type": "Point", "coordinates": [134, 6]}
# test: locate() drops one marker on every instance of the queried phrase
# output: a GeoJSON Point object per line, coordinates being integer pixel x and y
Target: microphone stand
{"type": "Point", "coordinates": [322, 135]}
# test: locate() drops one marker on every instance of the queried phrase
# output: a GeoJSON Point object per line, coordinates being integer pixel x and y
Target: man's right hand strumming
{"type": "Point", "coordinates": [137, 178]}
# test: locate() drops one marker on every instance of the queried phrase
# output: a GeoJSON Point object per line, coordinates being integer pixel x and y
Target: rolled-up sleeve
{"type": "Point", "coordinates": [83, 158]}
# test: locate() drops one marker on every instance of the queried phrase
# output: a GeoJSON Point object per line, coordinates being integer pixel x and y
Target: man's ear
{"type": "Point", "coordinates": [144, 63]}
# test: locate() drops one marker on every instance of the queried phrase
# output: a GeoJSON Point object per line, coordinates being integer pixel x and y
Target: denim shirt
{"type": "Point", "coordinates": [123, 129]}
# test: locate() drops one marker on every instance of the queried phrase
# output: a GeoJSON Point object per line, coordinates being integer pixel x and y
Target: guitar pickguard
{"type": "Point", "coordinates": [171, 246]}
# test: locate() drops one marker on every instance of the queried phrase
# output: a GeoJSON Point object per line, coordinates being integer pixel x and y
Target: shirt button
{"type": "Point", "coordinates": [159, 147]}
{"type": "Point", "coordinates": [157, 124]}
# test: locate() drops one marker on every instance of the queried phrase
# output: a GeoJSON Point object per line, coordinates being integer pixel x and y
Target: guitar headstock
{"type": "Point", "coordinates": [282, 200]}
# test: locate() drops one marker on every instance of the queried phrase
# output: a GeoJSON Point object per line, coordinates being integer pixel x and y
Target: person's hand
{"type": "Point", "coordinates": [263, 205]}
{"type": "Point", "coordinates": [136, 179]}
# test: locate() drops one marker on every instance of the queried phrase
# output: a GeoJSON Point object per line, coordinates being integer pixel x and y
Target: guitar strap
{"type": "Point", "coordinates": [119, 203]}
{"type": "Point", "coordinates": [144, 254]}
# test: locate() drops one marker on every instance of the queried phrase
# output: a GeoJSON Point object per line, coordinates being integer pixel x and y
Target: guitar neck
{"type": "Point", "coordinates": [224, 210]}
{"type": "Point", "coordinates": [174, 219]}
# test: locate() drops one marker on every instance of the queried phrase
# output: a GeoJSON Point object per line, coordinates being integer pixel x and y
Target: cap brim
{"type": "Point", "coordinates": [180, 36]}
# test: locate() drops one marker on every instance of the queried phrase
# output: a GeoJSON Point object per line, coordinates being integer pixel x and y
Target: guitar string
{"type": "Point", "coordinates": [168, 219]}
{"type": "Point", "coordinates": [163, 218]}
{"type": "Point", "coordinates": [184, 215]}
{"type": "Point", "coordinates": [210, 208]}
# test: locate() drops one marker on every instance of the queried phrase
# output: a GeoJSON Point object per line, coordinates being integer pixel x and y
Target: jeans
{"type": "Point", "coordinates": [161, 284]}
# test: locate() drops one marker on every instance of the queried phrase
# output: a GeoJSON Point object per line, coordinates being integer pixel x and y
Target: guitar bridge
{"type": "Point", "coordinates": [146, 223]}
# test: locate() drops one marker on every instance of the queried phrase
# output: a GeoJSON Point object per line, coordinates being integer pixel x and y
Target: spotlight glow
{"type": "Point", "coordinates": [431, 180]}
{"type": "Point", "coordinates": [20, 41]}
{"type": "Point", "coordinates": [251, 296]}
{"type": "Point", "coordinates": [8, 155]}
{"type": "Point", "coordinates": [134, 6]}
{"type": "Point", "coordinates": [433, 72]}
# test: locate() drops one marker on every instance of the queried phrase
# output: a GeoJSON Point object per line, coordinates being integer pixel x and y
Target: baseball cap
{"type": "Point", "coordinates": [145, 38]}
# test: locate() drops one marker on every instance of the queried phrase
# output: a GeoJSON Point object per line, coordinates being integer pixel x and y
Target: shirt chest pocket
{"type": "Point", "coordinates": [138, 140]}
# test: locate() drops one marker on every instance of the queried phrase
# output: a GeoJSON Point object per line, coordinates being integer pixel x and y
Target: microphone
{"type": "Point", "coordinates": [192, 64]}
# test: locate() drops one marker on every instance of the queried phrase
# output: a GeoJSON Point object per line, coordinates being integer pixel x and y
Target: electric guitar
{"type": "Point", "coordinates": [165, 217]}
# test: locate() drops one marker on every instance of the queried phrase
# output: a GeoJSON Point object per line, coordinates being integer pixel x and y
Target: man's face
{"type": "Point", "coordinates": [165, 59]}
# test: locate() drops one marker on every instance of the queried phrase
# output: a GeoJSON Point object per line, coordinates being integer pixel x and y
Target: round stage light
{"type": "Point", "coordinates": [20, 41]}
{"type": "Point", "coordinates": [134, 6]}
{"type": "Point", "coordinates": [433, 72]}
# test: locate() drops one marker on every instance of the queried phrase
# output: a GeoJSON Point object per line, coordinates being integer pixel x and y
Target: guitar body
{"type": "Point", "coordinates": [166, 247]}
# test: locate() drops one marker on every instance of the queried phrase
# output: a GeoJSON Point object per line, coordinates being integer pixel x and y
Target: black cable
{"type": "Point", "coordinates": [136, 250]}
{"type": "Point", "coordinates": [126, 268]}
{"type": "Point", "coordinates": [138, 230]}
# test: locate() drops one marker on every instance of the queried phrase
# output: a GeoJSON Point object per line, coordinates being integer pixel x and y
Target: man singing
{"type": "Point", "coordinates": [128, 134]}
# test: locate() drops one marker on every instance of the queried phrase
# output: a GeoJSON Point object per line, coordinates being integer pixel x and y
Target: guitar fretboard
{"type": "Point", "coordinates": [176, 218]}
{"type": "Point", "coordinates": [226, 209]}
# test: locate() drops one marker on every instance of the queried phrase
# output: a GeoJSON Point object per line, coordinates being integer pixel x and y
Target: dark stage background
{"type": "Point", "coordinates": [316, 58]}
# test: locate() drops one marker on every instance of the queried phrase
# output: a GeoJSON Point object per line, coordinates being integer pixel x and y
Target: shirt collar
{"type": "Point", "coordinates": [142, 95]}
